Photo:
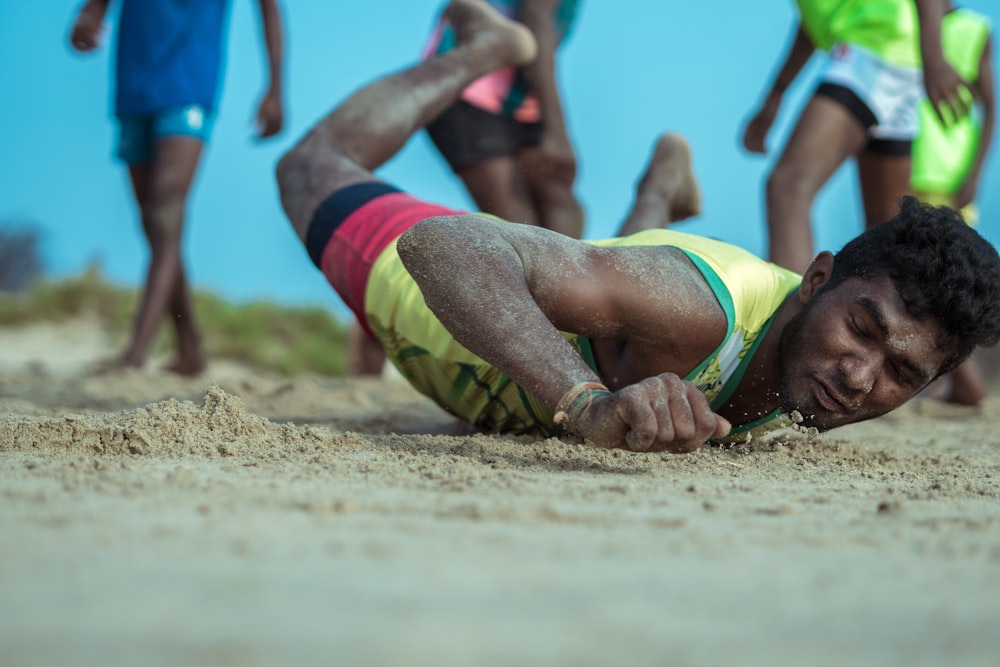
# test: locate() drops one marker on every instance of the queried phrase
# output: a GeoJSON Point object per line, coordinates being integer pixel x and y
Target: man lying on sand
{"type": "Point", "coordinates": [657, 341]}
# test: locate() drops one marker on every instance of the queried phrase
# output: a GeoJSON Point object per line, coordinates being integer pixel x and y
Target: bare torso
{"type": "Point", "coordinates": [675, 342]}
{"type": "Point", "coordinates": [625, 361]}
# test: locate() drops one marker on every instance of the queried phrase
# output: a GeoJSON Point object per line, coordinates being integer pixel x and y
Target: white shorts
{"type": "Point", "coordinates": [889, 92]}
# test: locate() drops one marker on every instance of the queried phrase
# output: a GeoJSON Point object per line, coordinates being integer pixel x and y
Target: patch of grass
{"type": "Point", "coordinates": [287, 340]}
{"type": "Point", "coordinates": [88, 293]}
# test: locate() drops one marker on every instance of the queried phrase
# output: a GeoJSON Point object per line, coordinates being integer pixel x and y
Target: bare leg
{"type": "Point", "coordinates": [374, 123]}
{"type": "Point", "coordinates": [667, 191]}
{"type": "Point", "coordinates": [364, 355]}
{"type": "Point", "coordinates": [190, 358]}
{"type": "Point", "coordinates": [825, 136]}
{"type": "Point", "coordinates": [556, 204]}
{"type": "Point", "coordinates": [967, 385]}
{"type": "Point", "coordinates": [498, 186]}
{"type": "Point", "coordinates": [884, 180]}
{"type": "Point", "coordinates": [161, 190]}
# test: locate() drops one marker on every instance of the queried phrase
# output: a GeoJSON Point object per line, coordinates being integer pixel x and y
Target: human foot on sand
{"type": "Point", "coordinates": [670, 177]}
{"type": "Point", "coordinates": [478, 25]}
{"type": "Point", "coordinates": [187, 366]}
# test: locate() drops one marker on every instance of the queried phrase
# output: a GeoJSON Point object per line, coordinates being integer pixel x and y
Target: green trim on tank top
{"type": "Point", "coordinates": [725, 300]}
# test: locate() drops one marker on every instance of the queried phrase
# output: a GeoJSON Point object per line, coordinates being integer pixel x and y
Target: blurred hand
{"type": "Point", "coordinates": [270, 115]}
{"type": "Point", "coordinates": [88, 28]}
{"type": "Point", "coordinates": [661, 413]}
{"type": "Point", "coordinates": [755, 134]}
{"type": "Point", "coordinates": [948, 93]}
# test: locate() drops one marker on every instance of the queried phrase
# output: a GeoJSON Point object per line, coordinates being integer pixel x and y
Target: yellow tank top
{"type": "Point", "coordinates": [748, 289]}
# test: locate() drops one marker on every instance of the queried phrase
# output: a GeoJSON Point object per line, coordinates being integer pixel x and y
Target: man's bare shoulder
{"type": "Point", "coordinates": [627, 293]}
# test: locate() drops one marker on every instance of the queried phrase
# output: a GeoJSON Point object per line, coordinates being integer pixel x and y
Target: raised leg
{"type": "Point", "coordinates": [374, 123]}
{"type": "Point", "coordinates": [667, 190]}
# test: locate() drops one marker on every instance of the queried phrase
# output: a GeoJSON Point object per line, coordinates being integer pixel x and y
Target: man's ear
{"type": "Point", "coordinates": [816, 275]}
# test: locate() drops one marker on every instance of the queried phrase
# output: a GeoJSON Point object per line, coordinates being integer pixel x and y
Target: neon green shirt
{"type": "Point", "coordinates": [889, 28]}
{"type": "Point", "coordinates": [943, 156]}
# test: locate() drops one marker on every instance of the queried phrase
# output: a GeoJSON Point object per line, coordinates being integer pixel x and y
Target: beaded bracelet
{"type": "Point", "coordinates": [576, 401]}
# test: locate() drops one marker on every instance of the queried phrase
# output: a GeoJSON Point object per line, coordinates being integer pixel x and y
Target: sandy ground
{"type": "Point", "coordinates": [247, 519]}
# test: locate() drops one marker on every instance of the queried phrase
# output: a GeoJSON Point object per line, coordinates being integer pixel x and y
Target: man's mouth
{"type": "Point", "coordinates": [828, 398]}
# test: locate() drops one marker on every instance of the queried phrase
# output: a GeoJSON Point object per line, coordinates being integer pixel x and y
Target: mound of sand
{"type": "Point", "coordinates": [248, 519]}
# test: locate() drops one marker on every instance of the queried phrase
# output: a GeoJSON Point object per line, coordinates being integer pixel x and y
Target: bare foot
{"type": "Point", "coordinates": [929, 407]}
{"type": "Point", "coordinates": [951, 396]}
{"type": "Point", "coordinates": [967, 384]}
{"type": "Point", "coordinates": [110, 366]}
{"type": "Point", "coordinates": [964, 395]}
{"type": "Point", "coordinates": [670, 176]}
{"type": "Point", "coordinates": [188, 366]}
{"type": "Point", "coordinates": [131, 359]}
{"type": "Point", "coordinates": [480, 26]}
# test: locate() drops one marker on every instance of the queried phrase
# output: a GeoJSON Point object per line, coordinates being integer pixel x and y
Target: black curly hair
{"type": "Point", "coordinates": [942, 268]}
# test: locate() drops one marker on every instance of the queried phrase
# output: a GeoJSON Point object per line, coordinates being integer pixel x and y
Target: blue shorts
{"type": "Point", "coordinates": [139, 133]}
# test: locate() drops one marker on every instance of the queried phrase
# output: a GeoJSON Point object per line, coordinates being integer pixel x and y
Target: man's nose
{"type": "Point", "coordinates": [859, 371]}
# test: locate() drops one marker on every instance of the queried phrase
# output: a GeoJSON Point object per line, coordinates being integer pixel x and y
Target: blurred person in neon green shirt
{"type": "Point", "coordinates": [882, 57]}
{"type": "Point", "coordinates": [948, 157]}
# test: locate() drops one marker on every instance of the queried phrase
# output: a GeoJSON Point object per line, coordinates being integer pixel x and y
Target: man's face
{"type": "Point", "coordinates": [854, 353]}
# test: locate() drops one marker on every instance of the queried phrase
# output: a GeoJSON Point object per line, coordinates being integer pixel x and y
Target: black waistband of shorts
{"type": "Point", "coordinates": [891, 147]}
{"type": "Point", "coordinates": [850, 100]}
{"type": "Point", "coordinates": [336, 208]}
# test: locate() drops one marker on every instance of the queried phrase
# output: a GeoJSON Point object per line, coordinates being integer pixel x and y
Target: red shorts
{"type": "Point", "coordinates": [352, 227]}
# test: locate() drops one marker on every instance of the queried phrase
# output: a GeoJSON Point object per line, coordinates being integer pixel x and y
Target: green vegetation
{"type": "Point", "coordinates": [266, 335]}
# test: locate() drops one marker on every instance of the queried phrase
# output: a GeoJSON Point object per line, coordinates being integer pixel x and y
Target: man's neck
{"type": "Point", "coordinates": [758, 393]}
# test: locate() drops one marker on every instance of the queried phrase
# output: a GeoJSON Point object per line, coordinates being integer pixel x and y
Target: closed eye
{"type": "Point", "coordinates": [908, 374]}
{"type": "Point", "coordinates": [858, 329]}
{"type": "Point", "coordinates": [901, 375]}
{"type": "Point", "coordinates": [904, 367]}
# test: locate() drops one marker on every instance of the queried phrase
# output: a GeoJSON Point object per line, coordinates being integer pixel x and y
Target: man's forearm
{"type": "Point", "coordinates": [798, 55]}
{"type": "Point", "coordinates": [930, 14]}
{"type": "Point", "coordinates": [474, 281]}
{"type": "Point", "coordinates": [274, 43]}
{"type": "Point", "coordinates": [100, 5]}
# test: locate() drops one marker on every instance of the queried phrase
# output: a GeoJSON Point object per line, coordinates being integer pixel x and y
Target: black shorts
{"type": "Point", "coordinates": [857, 108]}
{"type": "Point", "coordinates": [465, 135]}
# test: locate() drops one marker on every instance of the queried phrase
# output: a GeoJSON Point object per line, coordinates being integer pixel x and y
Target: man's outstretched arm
{"type": "Point", "coordinates": [506, 292]}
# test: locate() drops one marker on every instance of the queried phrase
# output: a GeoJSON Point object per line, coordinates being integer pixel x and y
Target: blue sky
{"type": "Point", "coordinates": [629, 71]}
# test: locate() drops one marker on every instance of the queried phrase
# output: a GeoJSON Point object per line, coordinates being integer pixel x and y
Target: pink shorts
{"type": "Point", "coordinates": [352, 227]}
